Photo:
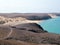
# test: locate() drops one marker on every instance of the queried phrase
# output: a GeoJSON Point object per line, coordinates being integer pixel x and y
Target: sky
{"type": "Point", "coordinates": [29, 6]}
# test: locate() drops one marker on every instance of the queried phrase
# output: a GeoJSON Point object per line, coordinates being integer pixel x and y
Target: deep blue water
{"type": "Point", "coordinates": [51, 25]}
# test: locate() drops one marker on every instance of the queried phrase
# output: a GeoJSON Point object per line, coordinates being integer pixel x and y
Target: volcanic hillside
{"type": "Point", "coordinates": [27, 33]}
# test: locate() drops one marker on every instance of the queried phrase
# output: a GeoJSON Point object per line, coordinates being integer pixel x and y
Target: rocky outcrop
{"type": "Point", "coordinates": [38, 17]}
{"type": "Point", "coordinates": [33, 27]}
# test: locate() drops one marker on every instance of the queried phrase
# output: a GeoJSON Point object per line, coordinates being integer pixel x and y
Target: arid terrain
{"type": "Point", "coordinates": [23, 29]}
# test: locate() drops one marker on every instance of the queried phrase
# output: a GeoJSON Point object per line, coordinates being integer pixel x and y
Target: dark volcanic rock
{"type": "Point", "coordinates": [38, 17]}
{"type": "Point", "coordinates": [33, 27]}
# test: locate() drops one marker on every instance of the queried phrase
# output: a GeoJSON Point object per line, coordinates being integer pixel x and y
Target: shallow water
{"type": "Point", "coordinates": [51, 25]}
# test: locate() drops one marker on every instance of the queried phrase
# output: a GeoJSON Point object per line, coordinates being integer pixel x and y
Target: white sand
{"type": "Point", "coordinates": [16, 21]}
{"type": "Point", "coordinates": [21, 22]}
{"type": "Point", "coordinates": [53, 15]}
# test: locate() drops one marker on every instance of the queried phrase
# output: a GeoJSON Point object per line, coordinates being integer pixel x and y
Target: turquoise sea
{"type": "Point", "coordinates": [51, 25]}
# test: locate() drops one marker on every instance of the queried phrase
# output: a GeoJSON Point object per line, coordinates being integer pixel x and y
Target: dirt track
{"type": "Point", "coordinates": [7, 35]}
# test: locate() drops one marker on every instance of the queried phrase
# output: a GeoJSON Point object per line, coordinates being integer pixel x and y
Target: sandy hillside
{"type": "Point", "coordinates": [21, 20]}
{"type": "Point", "coordinates": [16, 21]}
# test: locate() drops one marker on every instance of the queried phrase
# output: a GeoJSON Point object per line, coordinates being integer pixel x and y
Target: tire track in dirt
{"type": "Point", "coordinates": [8, 34]}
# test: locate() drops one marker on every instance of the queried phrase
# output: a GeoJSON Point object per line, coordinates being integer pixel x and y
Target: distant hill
{"type": "Point", "coordinates": [29, 16]}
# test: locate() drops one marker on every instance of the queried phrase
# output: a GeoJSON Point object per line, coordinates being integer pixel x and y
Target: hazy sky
{"type": "Point", "coordinates": [24, 6]}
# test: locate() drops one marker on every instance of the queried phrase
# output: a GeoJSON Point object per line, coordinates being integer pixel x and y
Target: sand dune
{"type": "Point", "coordinates": [16, 21]}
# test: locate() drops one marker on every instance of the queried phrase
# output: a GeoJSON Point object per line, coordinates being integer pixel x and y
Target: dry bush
{"type": "Point", "coordinates": [2, 22]}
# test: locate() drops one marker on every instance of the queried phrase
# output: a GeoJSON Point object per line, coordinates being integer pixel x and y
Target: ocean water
{"type": "Point", "coordinates": [51, 25]}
